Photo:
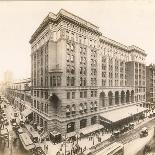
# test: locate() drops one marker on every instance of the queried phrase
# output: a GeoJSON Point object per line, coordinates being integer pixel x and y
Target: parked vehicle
{"type": "Point", "coordinates": [22, 123]}
{"type": "Point", "coordinates": [131, 125]}
{"type": "Point", "coordinates": [115, 134]}
{"type": "Point", "coordinates": [15, 126]}
{"type": "Point", "coordinates": [20, 131]}
{"type": "Point", "coordinates": [144, 132]}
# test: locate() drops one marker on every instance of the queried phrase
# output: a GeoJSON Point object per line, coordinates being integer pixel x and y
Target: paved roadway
{"type": "Point", "coordinates": [127, 137]}
{"type": "Point", "coordinates": [17, 148]}
{"type": "Point", "coordinates": [14, 148]}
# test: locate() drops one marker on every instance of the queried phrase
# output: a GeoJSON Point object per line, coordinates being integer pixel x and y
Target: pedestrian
{"type": "Point", "coordinates": [46, 149]}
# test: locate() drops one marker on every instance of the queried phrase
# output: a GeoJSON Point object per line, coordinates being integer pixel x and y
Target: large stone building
{"type": "Point", "coordinates": [79, 76]}
{"type": "Point", "coordinates": [150, 84]}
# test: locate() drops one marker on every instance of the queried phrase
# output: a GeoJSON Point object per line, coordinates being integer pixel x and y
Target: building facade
{"type": "Point", "coordinates": [150, 84]}
{"type": "Point", "coordinates": [78, 74]}
{"type": "Point", "coordinates": [19, 93]}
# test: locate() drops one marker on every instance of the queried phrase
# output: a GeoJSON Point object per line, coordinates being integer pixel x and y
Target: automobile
{"type": "Point", "coordinates": [20, 131]}
{"type": "Point", "coordinates": [15, 126]}
{"type": "Point", "coordinates": [144, 132]}
{"type": "Point", "coordinates": [4, 115]}
{"type": "Point", "coordinates": [131, 125]}
{"type": "Point", "coordinates": [39, 151]}
{"type": "Point", "coordinates": [115, 134]}
{"type": "Point", "coordinates": [13, 120]}
{"type": "Point", "coordinates": [6, 122]}
{"type": "Point", "coordinates": [21, 123]}
{"type": "Point", "coordinates": [16, 114]}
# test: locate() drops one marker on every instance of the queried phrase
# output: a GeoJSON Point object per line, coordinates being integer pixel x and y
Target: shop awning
{"type": "Point", "coordinates": [122, 113]}
{"type": "Point", "coordinates": [26, 112]}
{"type": "Point", "coordinates": [91, 128]}
{"type": "Point", "coordinates": [55, 133]}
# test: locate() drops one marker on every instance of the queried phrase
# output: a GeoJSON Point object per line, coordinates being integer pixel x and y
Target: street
{"type": "Point", "coordinates": [127, 137]}
{"type": "Point", "coordinates": [14, 148]}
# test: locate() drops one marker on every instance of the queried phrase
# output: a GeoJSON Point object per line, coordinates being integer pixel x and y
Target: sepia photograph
{"type": "Point", "coordinates": [77, 77]}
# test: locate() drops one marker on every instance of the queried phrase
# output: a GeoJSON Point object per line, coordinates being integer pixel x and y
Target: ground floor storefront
{"type": "Point", "coordinates": [78, 127]}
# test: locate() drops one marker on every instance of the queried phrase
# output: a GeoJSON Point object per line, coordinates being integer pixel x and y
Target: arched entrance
{"type": "Point", "coordinates": [122, 96]}
{"type": "Point", "coordinates": [132, 96]}
{"type": "Point", "coordinates": [127, 96]}
{"type": "Point", "coordinates": [110, 98]}
{"type": "Point", "coordinates": [102, 99]}
{"type": "Point", "coordinates": [116, 97]}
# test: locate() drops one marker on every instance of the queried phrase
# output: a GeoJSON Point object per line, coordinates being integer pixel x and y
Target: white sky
{"type": "Point", "coordinates": [129, 22]}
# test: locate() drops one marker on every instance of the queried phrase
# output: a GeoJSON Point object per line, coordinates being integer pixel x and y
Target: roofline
{"type": "Point", "coordinates": [55, 18]}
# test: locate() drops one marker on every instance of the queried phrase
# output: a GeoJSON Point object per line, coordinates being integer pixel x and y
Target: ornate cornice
{"type": "Point", "coordinates": [63, 14]}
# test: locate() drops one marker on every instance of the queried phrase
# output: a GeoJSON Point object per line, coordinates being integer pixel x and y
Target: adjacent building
{"type": "Point", "coordinates": [19, 94]}
{"type": "Point", "coordinates": [150, 85]}
{"type": "Point", "coordinates": [79, 77]}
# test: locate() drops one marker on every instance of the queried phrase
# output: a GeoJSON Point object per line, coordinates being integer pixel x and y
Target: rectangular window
{"type": "Point", "coordinates": [35, 103]}
{"type": "Point", "coordinates": [73, 95]}
{"type": "Point", "coordinates": [81, 94]}
{"type": "Point", "coordinates": [42, 94]}
{"type": "Point", "coordinates": [68, 95]}
{"type": "Point", "coordinates": [46, 95]}
{"type": "Point", "coordinates": [92, 93]}
{"type": "Point", "coordinates": [95, 93]}
{"type": "Point", "coordinates": [37, 93]}
{"type": "Point", "coordinates": [85, 94]}
{"type": "Point", "coordinates": [34, 93]}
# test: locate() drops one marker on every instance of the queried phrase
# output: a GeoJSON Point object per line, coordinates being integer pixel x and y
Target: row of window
{"type": "Point", "coordinates": [83, 94]}
{"type": "Point", "coordinates": [83, 108]}
{"type": "Point", "coordinates": [41, 107]}
{"type": "Point", "coordinates": [55, 81]}
{"type": "Point", "coordinates": [41, 94]}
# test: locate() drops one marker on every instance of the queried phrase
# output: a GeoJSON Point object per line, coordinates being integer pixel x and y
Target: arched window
{"type": "Point", "coordinates": [81, 108]}
{"type": "Point", "coordinates": [85, 107]}
{"type": "Point", "coordinates": [67, 110]}
{"type": "Point", "coordinates": [73, 109]}
{"type": "Point", "coordinates": [73, 70]}
{"type": "Point", "coordinates": [95, 105]}
{"type": "Point", "coordinates": [91, 106]}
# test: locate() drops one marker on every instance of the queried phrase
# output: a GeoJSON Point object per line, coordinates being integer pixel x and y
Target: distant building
{"type": "Point", "coordinates": [8, 76]}
{"type": "Point", "coordinates": [150, 84]}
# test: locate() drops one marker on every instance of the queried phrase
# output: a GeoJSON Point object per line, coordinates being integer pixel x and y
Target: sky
{"type": "Point", "coordinates": [131, 22]}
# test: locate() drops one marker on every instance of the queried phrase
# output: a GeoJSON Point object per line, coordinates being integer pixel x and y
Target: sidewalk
{"type": "Point", "coordinates": [133, 147]}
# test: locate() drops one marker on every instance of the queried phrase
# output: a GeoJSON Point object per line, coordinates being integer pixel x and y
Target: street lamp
{"type": "Point", "coordinates": [77, 137]}
{"type": "Point", "coordinates": [65, 139]}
